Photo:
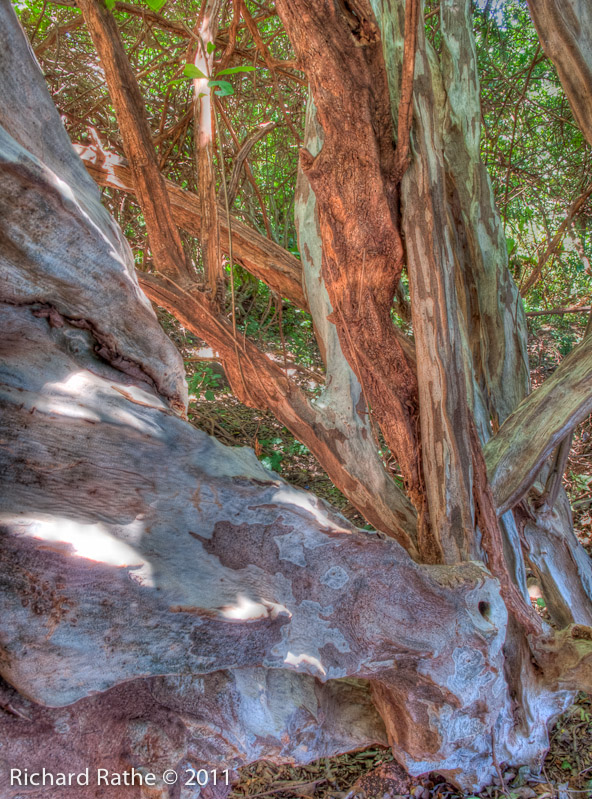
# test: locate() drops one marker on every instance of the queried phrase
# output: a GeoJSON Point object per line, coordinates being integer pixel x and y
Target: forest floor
{"type": "Point", "coordinates": [567, 770]}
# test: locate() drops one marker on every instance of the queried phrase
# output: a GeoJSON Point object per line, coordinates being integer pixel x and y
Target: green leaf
{"type": "Point", "coordinates": [210, 47]}
{"type": "Point", "coordinates": [191, 71]}
{"type": "Point", "coordinates": [273, 461]}
{"type": "Point", "coordinates": [224, 88]}
{"type": "Point", "coordinates": [210, 395]}
{"type": "Point", "coordinates": [110, 4]}
{"type": "Point", "coordinates": [234, 70]}
{"type": "Point", "coordinates": [155, 5]}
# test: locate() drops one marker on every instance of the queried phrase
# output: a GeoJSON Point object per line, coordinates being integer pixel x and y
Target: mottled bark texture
{"type": "Point", "coordinates": [354, 181]}
{"type": "Point", "coordinates": [342, 400]}
{"type": "Point", "coordinates": [166, 602]}
{"type": "Point", "coordinates": [468, 321]}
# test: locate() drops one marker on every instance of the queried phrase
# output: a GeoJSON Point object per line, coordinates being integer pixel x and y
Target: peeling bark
{"type": "Point", "coordinates": [493, 313]}
{"type": "Point", "coordinates": [353, 178]}
{"type": "Point", "coordinates": [444, 412]}
{"type": "Point", "coordinates": [516, 454]}
{"type": "Point", "coordinates": [221, 614]}
{"type": "Point", "coordinates": [217, 562]}
{"type": "Point", "coordinates": [342, 400]}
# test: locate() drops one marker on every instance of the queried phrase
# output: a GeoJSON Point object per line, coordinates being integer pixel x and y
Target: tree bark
{"type": "Point", "coordinates": [221, 613]}
{"type": "Point", "coordinates": [254, 378]}
{"type": "Point", "coordinates": [342, 401]}
{"type": "Point", "coordinates": [204, 153]}
{"type": "Point", "coordinates": [164, 238]}
{"type": "Point", "coordinates": [140, 547]}
{"type": "Point", "coordinates": [356, 194]}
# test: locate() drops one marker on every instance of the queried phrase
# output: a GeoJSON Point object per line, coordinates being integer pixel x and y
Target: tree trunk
{"type": "Point", "coordinates": [169, 603]}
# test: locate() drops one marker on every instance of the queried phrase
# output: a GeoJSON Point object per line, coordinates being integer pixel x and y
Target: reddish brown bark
{"type": "Point", "coordinates": [255, 379]}
{"type": "Point", "coordinates": [163, 235]}
{"type": "Point", "coordinates": [354, 180]}
{"type": "Point", "coordinates": [406, 103]}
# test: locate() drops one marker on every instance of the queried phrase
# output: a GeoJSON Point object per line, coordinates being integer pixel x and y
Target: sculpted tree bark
{"type": "Point", "coordinates": [166, 602]}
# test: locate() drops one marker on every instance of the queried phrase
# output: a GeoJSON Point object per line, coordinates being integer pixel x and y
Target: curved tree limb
{"type": "Point", "coordinates": [240, 158]}
{"type": "Point", "coordinates": [516, 453]}
{"type": "Point", "coordinates": [263, 258]}
{"type": "Point", "coordinates": [259, 382]}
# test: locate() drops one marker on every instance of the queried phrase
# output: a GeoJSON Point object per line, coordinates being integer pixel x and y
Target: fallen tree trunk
{"type": "Point", "coordinates": [136, 546]}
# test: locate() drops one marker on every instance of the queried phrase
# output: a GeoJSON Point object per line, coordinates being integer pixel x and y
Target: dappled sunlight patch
{"type": "Point", "coordinates": [298, 660]}
{"type": "Point", "coordinates": [80, 393]}
{"type": "Point", "coordinates": [290, 496]}
{"type": "Point", "coordinates": [246, 609]}
{"type": "Point", "coordinates": [95, 542]}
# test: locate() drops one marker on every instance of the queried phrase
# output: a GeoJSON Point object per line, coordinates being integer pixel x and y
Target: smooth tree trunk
{"type": "Point", "coordinates": [169, 603]}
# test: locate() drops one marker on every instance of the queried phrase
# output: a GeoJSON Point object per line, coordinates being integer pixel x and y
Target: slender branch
{"type": "Point", "coordinates": [248, 170]}
{"type": "Point", "coordinates": [518, 104]}
{"type": "Point", "coordinates": [516, 453]}
{"type": "Point", "coordinates": [263, 258]}
{"type": "Point", "coordinates": [55, 33]}
{"type": "Point", "coordinates": [574, 210]}
{"type": "Point", "coordinates": [203, 127]}
{"type": "Point", "coordinates": [232, 31]}
{"type": "Point", "coordinates": [406, 101]}
{"type": "Point", "coordinates": [561, 311]}
{"type": "Point", "coordinates": [162, 232]}
{"type": "Point", "coordinates": [242, 154]}
{"type": "Point", "coordinates": [269, 61]}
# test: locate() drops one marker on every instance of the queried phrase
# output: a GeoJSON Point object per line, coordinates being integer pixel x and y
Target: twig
{"type": "Point", "coordinates": [241, 157]}
{"type": "Point", "coordinates": [497, 765]}
{"type": "Point", "coordinates": [561, 311]}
